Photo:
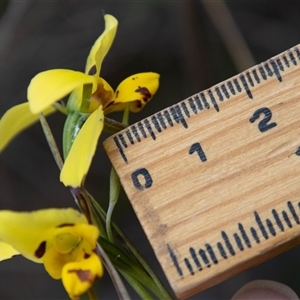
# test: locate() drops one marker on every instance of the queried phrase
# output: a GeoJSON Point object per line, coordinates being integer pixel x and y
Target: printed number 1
{"type": "Point", "coordinates": [196, 147]}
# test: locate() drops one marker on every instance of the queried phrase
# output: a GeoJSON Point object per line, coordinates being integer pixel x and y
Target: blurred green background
{"type": "Point", "coordinates": [179, 40]}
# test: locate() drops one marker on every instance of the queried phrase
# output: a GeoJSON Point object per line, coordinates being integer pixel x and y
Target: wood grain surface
{"type": "Point", "coordinates": [215, 179]}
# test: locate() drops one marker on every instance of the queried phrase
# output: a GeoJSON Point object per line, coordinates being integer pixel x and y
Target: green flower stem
{"type": "Point", "coordinates": [115, 185]}
{"type": "Point", "coordinates": [91, 294]}
{"type": "Point", "coordinates": [79, 194]}
{"type": "Point", "coordinates": [142, 277]}
{"type": "Point", "coordinates": [114, 191]}
{"type": "Point", "coordinates": [120, 288]}
{"type": "Point", "coordinates": [98, 223]}
{"type": "Point", "coordinates": [164, 294]}
{"type": "Point", "coordinates": [112, 126]}
{"type": "Point", "coordinates": [86, 97]}
{"type": "Point", "coordinates": [73, 124]}
{"type": "Point", "coordinates": [61, 108]}
{"type": "Point", "coordinates": [51, 141]}
{"type": "Point", "coordinates": [83, 201]}
{"type": "Point", "coordinates": [123, 263]}
{"type": "Point", "coordinates": [125, 119]}
{"type": "Point", "coordinates": [136, 286]}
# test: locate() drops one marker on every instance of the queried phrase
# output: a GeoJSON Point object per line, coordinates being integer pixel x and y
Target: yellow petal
{"type": "Point", "coordinates": [72, 243]}
{"type": "Point", "coordinates": [78, 277]}
{"type": "Point", "coordinates": [87, 232]}
{"type": "Point", "coordinates": [55, 261]}
{"type": "Point", "coordinates": [82, 151]}
{"type": "Point", "coordinates": [137, 89]}
{"type": "Point", "coordinates": [101, 46]}
{"type": "Point", "coordinates": [103, 95]}
{"type": "Point", "coordinates": [29, 232]}
{"type": "Point", "coordinates": [50, 86]}
{"type": "Point", "coordinates": [15, 120]}
{"type": "Point", "coordinates": [7, 251]}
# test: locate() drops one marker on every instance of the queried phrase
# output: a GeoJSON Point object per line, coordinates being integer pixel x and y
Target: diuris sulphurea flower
{"type": "Point", "coordinates": [61, 239]}
{"type": "Point", "coordinates": [90, 100]}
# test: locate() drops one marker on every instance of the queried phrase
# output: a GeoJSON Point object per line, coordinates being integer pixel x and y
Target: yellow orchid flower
{"type": "Point", "coordinates": [61, 239]}
{"type": "Point", "coordinates": [91, 98]}
{"type": "Point", "coordinates": [17, 119]}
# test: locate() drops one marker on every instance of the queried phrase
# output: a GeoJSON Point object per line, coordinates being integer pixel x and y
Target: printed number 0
{"type": "Point", "coordinates": [141, 174]}
{"type": "Point", "coordinates": [263, 125]}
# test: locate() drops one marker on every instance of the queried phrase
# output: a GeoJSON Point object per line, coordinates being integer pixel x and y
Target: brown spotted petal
{"type": "Point", "coordinates": [137, 90]}
{"type": "Point", "coordinates": [69, 244]}
{"type": "Point", "coordinates": [29, 232]}
{"type": "Point", "coordinates": [78, 277]}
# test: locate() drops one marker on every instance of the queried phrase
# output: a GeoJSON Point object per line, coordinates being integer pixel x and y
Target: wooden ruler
{"type": "Point", "coordinates": [215, 179]}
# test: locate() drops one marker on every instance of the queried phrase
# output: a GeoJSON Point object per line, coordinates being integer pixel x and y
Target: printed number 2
{"type": "Point", "coordinates": [263, 125]}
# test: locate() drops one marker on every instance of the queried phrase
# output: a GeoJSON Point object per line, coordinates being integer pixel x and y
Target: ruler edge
{"type": "Point", "coordinates": [292, 59]}
{"type": "Point", "coordinates": [124, 138]}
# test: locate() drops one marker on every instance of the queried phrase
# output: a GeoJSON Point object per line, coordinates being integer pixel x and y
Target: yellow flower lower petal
{"type": "Point", "coordinates": [7, 251]}
{"type": "Point", "coordinates": [101, 46]}
{"type": "Point", "coordinates": [78, 277]}
{"type": "Point", "coordinates": [50, 86]}
{"type": "Point", "coordinates": [15, 120]}
{"type": "Point", "coordinates": [82, 151]}
{"type": "Point", "coordinates": [55, 261]}
{"type": "Point", "coordinates": [28, 232]}
{"type": "Point", "coordinates": [137, 90]}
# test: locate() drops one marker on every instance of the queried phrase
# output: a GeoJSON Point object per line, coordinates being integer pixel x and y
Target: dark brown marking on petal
{"type": "Point", "coordinates": [102, 96]}
{"type": "Point", "coordinates": [110, 104]}
{"type": "Point", "coordinates": [83, 275]}
{"type": "Point", "coordinates": [138, 104]}
{"type": "Point", "coordinates": [144, 92]}
{"type": "Point", "coordinates": [65, 225]}
{"type": "Point", "coordinates": [40, 251]}
{"type": "Point", "coordinates": [134, 78]}
{"type": "Point", "coordinates": [92, 70]}
{"type": "Point", "coordinates": [117, 93]}
{"type": "Point", "coordinates": [86, 256]}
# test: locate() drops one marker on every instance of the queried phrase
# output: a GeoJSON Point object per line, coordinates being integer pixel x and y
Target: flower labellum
{"type": "Point", "coordinates": [61, 239]}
